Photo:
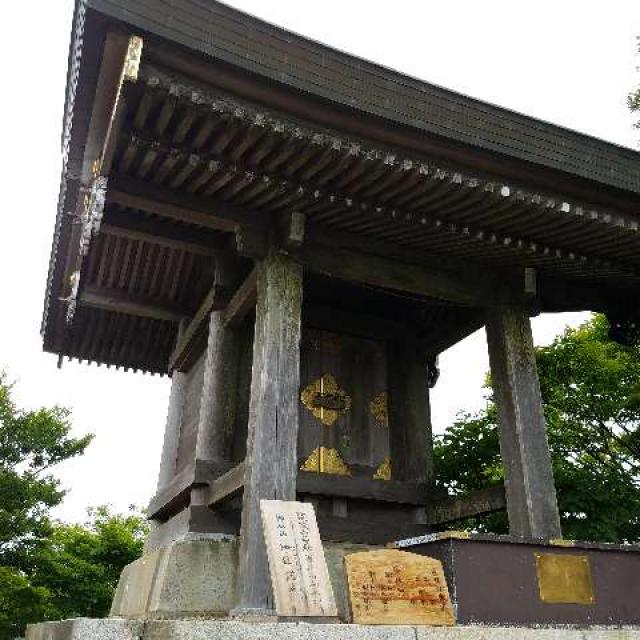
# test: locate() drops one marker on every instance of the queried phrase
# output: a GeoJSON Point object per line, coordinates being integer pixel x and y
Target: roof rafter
{"type": "Point", "coordinates": [201, 97]}
{"type": "Point", "coordinates": [306, 197]}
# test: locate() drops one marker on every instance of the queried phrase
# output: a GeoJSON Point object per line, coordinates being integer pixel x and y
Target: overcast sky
{"type": "Point", "coordinates": [571, 62]}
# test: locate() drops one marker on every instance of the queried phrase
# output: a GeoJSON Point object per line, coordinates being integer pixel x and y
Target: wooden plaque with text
{"type": "Point", "coordinates": [297, 565]}
{"type": "Point", "coordinates": [396, 587]}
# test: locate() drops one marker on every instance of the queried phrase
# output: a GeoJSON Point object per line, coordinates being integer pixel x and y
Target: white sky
{"type": "Point", "coordinates": [570, 62]}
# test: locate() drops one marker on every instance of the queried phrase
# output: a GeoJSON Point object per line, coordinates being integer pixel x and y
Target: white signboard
{"type": "Point", "coordinates": [299, 574]}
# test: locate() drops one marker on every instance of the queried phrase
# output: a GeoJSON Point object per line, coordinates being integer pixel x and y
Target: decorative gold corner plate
{"type": "Point", "coordinates": [326, 400]}
{"type": "Point", "coordinates": [564, 578]}
{"type": "Point", "coordinates": [324, 460]}
{"type": "Point", "coordinates": [379, 409]}
{"type": "Point", "coordinates": [383, 472]}
{"type": "Point", "coordinates": [561, 542]}
{"type": "Point", "coordinates": [132, 58]}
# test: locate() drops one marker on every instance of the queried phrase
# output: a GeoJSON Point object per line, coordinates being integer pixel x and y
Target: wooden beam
{"type": "Point", "coordinates": [116, 301]}
{"type": "Point", "coordinates": [187, 349]}
{"type": "Point", "coordinates": [120, 64]}
{"type": "Point", "coordinates": [174, 496]}
{"type": "Point", "coordinates": [361, 488]}
{"type": "Point", "coordinates": [271, 459]}
{"type": "Point", "coordinates": [446, 336]}
{"type": "Point", "coordinates": [477, 503]}
{"type": "Point", "coordinates": [243, 301]}
{"type": "Point", "coordinates": [209, 213]}
{"type": "Point", "coordinates": [531, 496]}
{"type": "Point", "coordinates": [357, 324]}
{"type": "Point", "coordinates": [291, 229]}
{"type": "Point", "coordinates": [227, 485]}
{"type": "Point", "coordinates": [252, 240]}
{"type": "Point", "coordinates": [390, 274]}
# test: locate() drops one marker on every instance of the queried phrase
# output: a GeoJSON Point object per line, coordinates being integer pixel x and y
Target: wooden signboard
{"type": "Point", "coordinates": [396, 587]}
{"type": "Point", "coordinates": [298, 569]}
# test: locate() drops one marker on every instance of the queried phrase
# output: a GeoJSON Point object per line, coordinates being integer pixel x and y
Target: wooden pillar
{"type": "Point", "coordinates": [172, 430]}
{"type": "Point", "coordinates": [218, 401]}
{"type": "Point", "coordinates": [530, 490]}
{"type": "Point", "coordinates": [410, 437]}
{"type": "Point", "coordinates": [271, 460]}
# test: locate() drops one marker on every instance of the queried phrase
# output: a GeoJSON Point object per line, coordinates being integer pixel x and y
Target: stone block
{"type": "Point", "coordinates": [121, 629]}
{"type": "Point", "coordinates": [186, 578]}
{"type": "Point", "coordinates": [86, 629]}
{"type": "Point", "coordinates": [134, 587]}
{"type": "Point", "coordinates": [233, 630]}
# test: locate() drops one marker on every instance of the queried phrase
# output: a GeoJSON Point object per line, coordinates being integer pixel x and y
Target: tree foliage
{"type": "Point", "coordinates": [81, 564]}
{"type": "Point", "coordinates": [50, 570]}
{"type": "Point", "coordinates": [31, 443]}
{"type": "Point", "coordinates": [591, 394]}
{"type": "Point", "coordinates": [72, 573]}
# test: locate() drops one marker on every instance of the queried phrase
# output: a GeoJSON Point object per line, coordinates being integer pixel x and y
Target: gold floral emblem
{"type": "Point", "coordinates": [379, 409]}
{"type": "Point", "coordinates": [324, 460]}
{"type": "Point", "coordinates": [325, 399]}
{"type": "Point", "coordinates": [383, 472]}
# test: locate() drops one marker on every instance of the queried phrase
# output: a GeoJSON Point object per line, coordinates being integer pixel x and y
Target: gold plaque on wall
{"type": "Point", "coordinates": [395, 587]}
{"type": "Point", "coordinates": [564, 578]}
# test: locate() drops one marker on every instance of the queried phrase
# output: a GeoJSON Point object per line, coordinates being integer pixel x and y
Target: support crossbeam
{"type": "Point", "coordinates": [227, 485]}
{"type": "Point", "coordinates": [243, 301]}
{"type": "Point", "coordinates": [209, 213]}
{"type": "Point", "coordinates": [477, 503]}
{"type": "Point", "coordinates": [388, 274]}
{"type": "Point", "coordinates": [116, 301]}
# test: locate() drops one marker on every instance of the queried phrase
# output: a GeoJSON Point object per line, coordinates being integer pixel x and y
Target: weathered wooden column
{"type": "Point", "coordinates": [173, 424]}
{"type": "Point", "coordinates": [411, 440]}
{"type": "Point", "coordinates": [217, 407]}
{"type": "Point", "coordinates": [271, 460]}
{"type": "Point", "coordinates": [172, 430]}
{"type": "Point", "coordinates": [530, 490]}
{"type": "Point", "coordinates": [217, 402]}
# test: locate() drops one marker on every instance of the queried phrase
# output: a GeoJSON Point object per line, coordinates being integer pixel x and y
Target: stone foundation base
{"type": "Point", "coordinates": [189, 578]}
{"type": "Point", "coordinates": [120, 629]}
{"type": "Point", "coordinates": [197, 578]}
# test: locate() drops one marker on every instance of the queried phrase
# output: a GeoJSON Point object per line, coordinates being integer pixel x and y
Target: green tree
{"type": "Point", "coordinates": [80, 567]}
{"type": "Point", "coordinates": [31, 442]}
{"type": "Point", "coordinates": [591, 394]}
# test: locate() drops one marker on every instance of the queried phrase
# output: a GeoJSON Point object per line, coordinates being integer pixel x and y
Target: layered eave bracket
{"type": "Point", "coordinates": [177, 165]}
